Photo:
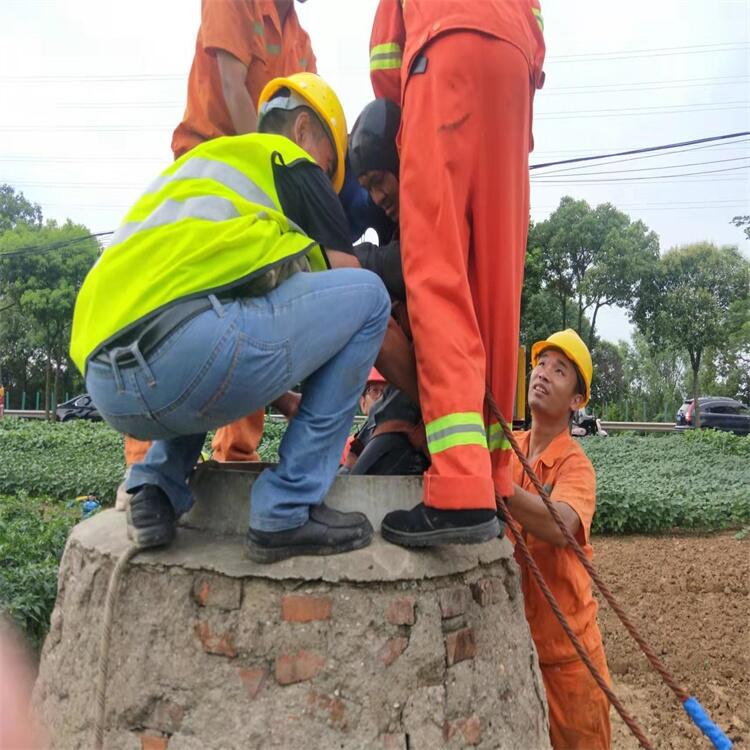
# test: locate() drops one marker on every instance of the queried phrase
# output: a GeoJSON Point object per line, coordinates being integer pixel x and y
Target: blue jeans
{"type": "Point", "coordinates": [324, 328]}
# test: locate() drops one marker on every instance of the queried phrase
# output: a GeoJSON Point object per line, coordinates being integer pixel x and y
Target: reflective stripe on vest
{"type": "Point", "coordinates": [210, 208]}
{"type": "Point", "coordinates": [452, 430]}
{"type": "Point", "coordinates": [496, 439]}
{"type": "Point", "coordinates": [385, 56]}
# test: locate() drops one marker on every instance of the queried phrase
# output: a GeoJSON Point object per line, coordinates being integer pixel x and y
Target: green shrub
{"type": "Point", "coordinates": [59, 460]}
{"type": "Point", "coordinates": [32, 539]}
{"type": "Point", "coordinates": [699, 480]}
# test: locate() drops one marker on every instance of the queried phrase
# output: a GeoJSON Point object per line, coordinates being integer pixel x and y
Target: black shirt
{"type": "Point", "coordinates": [309, 200]}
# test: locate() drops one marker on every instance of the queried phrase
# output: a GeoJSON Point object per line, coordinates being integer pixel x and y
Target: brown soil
{"type": "Point", "coordinates": [689, 597]}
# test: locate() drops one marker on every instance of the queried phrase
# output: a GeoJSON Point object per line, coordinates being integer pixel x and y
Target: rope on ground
{"type": "Point", "coordinates": [695, 711]}
{"type": "Point", "coordinates": [113, 590]}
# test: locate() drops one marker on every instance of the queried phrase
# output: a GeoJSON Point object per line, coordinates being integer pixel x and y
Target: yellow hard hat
{"type": "Point", "coordinates": [323, 100]}
{"type": "Point", "coordinates": [572, 346]}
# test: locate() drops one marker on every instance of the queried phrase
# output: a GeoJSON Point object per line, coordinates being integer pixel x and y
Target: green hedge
{"type": "Point", "coordinates": [32, 539]}
{"type": "Point", "coordinates": [699, 480]}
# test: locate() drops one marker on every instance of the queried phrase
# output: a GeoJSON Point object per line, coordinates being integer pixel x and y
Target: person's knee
{"type": "Point", "coordinates": [381, 300]}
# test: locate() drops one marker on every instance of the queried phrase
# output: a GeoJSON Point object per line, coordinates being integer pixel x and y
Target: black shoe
{"type": "Point", "coordinates": [151, 517]}
{"type": "Point", "coordinates": [328, 532]}
{"type": "Point", "coordinates": [429, 527]}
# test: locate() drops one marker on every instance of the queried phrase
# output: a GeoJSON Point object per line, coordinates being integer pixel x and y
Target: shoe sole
{"type": "Point", "coordinates": [267, 555]}
{"type": "Point", "coordinates": [477, 534]}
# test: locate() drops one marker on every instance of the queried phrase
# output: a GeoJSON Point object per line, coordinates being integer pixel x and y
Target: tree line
{"type": "Point", "coordinates": [689, 305]}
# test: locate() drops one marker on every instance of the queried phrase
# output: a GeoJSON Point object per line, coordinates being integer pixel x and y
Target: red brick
{"type": "Point", "coordinates": [330, 707]}
{"type": "Point", "coordinates": [200, 593]}
{"type": "Point", "coordinates": [153, 741]}
{"type": "Point", "coordinates": [305, 608]}
{"type": "Point", "coordinates": [460, 646]}
{"type": "Point", "coordinates": [221, 645]}
{"type": "Point", "coordinates": [394, 741]}
{"type": "Point", "coordinates": [401, 611]}
{"type": "Point", "coordinates": [482, 592]}
{"type": "Point", "coordinates": [392, 649]}
{"type": "Point", "coordinates": [304, 665]}
{"type": "Point", "coordinates": [253, 678]}
{"type": "Point", "coordinates": [470, 728]}
{"type": "Point", "coordinates": [453, 602]}
{"type": "Point", "coordinates": [217, 592]}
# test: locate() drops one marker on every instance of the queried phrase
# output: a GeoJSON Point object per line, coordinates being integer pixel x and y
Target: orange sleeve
{"type": "Point", "coordinates": [575, 484]}
{"type": "Point", "coordinates": [232, 27]}
{"type": "Point", "coordinates": [309, 55]}
{"type": "Point", "coordinates": [386, 50]}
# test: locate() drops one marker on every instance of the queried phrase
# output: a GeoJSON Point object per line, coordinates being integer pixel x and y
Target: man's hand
{"type": "Point", "coordinates": [288, 404]}
{"type": "Point", "coordinates": [531, 512]}
{"type": "Point", "coordinates": [338, 259]}
{"type": "Point", "coordinates": [233, 74]}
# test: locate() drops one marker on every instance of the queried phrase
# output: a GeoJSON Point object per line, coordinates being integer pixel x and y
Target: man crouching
{"type": "Point", "coordinates": [202, 310]}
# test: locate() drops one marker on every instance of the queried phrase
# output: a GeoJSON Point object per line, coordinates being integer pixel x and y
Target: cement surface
{"type": "Point", "coordinates": [195, 549]}
{"type": "Point", "coordinates": [222, 496]}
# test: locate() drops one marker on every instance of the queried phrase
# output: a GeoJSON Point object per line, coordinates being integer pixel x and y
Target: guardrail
{"type": "Point", "coordinates": [639, 426]}
{"type": "Point", "coordinates": [359, 420]}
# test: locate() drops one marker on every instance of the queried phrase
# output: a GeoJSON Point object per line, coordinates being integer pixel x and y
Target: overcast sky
{"type": "Point", "coordinates": [90, 92]}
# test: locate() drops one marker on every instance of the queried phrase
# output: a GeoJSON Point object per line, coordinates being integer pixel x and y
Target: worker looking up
{"type": "Point", "coordinates": [560, 383]}
{"type": "Point", "coordinates": [241, 45]}
{"type": "Point", "coordinates": [464, 74]}
{"type": "Point", "coordinates": [225, 321]}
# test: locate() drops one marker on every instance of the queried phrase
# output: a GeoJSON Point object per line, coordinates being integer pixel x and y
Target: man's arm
{"type": "Point", "coordinates": [233, 74]}
{"type": "Point", "coordinates": [531, 512]}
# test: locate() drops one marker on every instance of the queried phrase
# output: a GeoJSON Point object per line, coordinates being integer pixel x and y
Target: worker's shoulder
{"type": "Point", "coordinates": [566, 450]}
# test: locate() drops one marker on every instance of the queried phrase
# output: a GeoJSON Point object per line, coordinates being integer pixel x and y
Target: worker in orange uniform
{"type": "Point", "coordinates": [465, 75]}
{"type": "Point", "coordinates": [241, 46]}
{"type": "Point", "coordinates": [560, 384]}
{"type": "Point", "coordinates": [372, 393]}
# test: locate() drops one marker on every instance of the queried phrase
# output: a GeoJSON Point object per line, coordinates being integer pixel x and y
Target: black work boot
{"type": "Point", "coordinates": [430, 527]}
{"type": "Point", "coordinates": [327, 532]}
{"type": "Point", "coordinates": [151, 517]}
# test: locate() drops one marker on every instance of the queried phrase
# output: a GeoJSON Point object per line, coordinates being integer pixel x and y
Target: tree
{"type": "Point", "coordinates": [743, 222]}
{"type": "Point", "coordinates": [608, 383]}
{"type": "Point", "coordinates": [690, 301]}
{"type": "Point", "coordinates": [41, 271]}
{"type": "Point", "coordinates": [15, 210]}
{"type": "Point", "coordinates": [596, 257]}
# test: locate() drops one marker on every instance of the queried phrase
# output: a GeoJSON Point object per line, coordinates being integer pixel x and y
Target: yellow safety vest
{"type": "Point", "coordinates": [210, 222]}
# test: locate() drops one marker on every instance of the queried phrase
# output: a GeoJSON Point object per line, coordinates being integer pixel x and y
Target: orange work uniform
{"type": "Point", "coordinates": [579, 710]}
{"type": "Point", "coordinates": [252, 32]}
{"type": "Point", "coordinates": [465, 75]}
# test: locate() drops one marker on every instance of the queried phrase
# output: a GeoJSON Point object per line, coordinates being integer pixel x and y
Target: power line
{"type": "Point", "coordinates": [643, 150]}
{"type": "Point", "coordinates": [693, 49]}
{"type": "Point", "coordinates": [28, 249]}
{"type": "Point", "coordinates": [639, 85]}
{"type": "Point", "coordinates": [638, 112]}
{"type": "Point", "coordinates": [647, 169]}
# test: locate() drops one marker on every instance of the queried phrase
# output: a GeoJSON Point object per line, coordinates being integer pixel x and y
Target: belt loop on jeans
{"type": "Point", "coordinates": [136, 352]}
{"type": "Point", "coordinates": [217, 306]}
{"type": "Point", "coordinates": [116, 370]}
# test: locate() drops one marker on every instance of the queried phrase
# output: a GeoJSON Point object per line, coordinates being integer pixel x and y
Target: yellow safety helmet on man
{"type": "Point", "coordinates": [322, 99]}
{"type": "Point", "coordinates": [572, 346]}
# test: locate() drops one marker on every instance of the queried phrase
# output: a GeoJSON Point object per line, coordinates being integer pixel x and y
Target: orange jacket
{"type": "Point", "coordinates": [565, 467]}
{"type": "Point", "coordinates": [403, 27]}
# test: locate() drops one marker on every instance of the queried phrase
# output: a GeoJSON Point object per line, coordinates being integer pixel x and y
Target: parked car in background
{"type": "Point", "coordinates": [78, 407]}
{"type": "Point", "coordinates": [717, 413]}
